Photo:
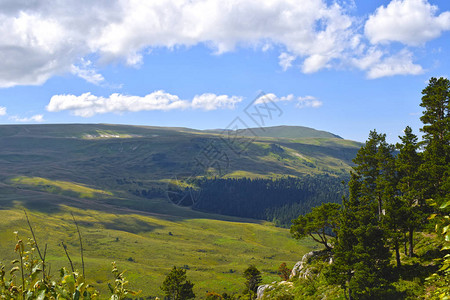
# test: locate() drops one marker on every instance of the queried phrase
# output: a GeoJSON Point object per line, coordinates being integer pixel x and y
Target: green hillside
{"type": "Point", "coordinates": [98, 172]}
{"type": "Point", "coordinates": [214, 252]}
{"type": "Point", "coordinates": [121, 159]}
{"type": "Point", "coordinates": [291, 132]}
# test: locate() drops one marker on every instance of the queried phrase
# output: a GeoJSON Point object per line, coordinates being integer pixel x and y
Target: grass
{"type": "Point", "coordinates": [214, 252]}
{"type": "Point", "coordinates": [59, 187]}
{"type": "Point", "coordinates": [53, 170]}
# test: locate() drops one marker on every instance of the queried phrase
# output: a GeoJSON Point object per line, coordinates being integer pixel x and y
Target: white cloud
{"type": "Point", "coordinates": [285, 60]}
{"type": "Point", "coordinates": [35, 118]}
{"type": "Point", "coordinates": [398, 64]}
{"type": "Point", "coordinates": [88, 105]}
{"type": "Point", "coordinates": [2, 111]}
{"type": "Point", "coordinates": [212, 101]}
{"type": "Point", "coordinates": [41, 39]}
{"type": "Point", "coordinates": [86, 72]}
{"type": "Point", "coordinates": [308, 101]}
{"type": "Point", "coordinates": [411, 22]}
{"type": "Point", "coordinates": [300, 102]}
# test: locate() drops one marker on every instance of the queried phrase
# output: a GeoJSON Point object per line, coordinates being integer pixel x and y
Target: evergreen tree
{"type": "Point", "coordinates": [435, 170]}
{"type": "Point", "coordinates": [407, 165]}
{"type": "Point", "coordinates": [436, 139]}
{"type": "Point", "coordinates": [361, 257]}
{"type": "Point", "coordinates": [253, 279]}
{"type": "Point", "coordinates": [319, 224]}
{"type": "Point", "coordinates": [176, 286]}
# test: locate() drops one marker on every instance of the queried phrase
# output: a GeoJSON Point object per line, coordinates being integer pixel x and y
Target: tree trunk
{"type": "Point", "coordinates": [379, 208]}
{"type": "Point", "coordinates": [397, 253]}
{"type": "Point", "coordinates": [405, 242]}
{"type": "Point", "coordinates": [411, 242]}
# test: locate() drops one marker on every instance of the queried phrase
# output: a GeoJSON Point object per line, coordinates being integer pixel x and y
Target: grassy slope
{"type": "Point", "coordinates": [216, 251]}
{"type": "Point", "coordinates": [284, 132]}
{"type": "Point", "coordinates": [89, 169]}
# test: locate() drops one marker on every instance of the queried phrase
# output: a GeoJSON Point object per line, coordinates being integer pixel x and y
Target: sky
{"type": "Point", "coordinates": [343, 66]}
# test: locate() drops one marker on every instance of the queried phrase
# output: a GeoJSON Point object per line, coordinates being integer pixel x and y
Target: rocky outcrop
{"type": "Point", "coordinates": [267, 287]}
{"type": "Point", "coordinates": [261, 289]}
{"type": "Point", "coordinates": [302, 269]}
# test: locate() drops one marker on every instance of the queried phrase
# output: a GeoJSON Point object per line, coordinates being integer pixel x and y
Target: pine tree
{"type": "Point", "coordinates": [361, 257]}
{"type": "Point", "coordinates": [253, 279]}
{"type": "Point", "coordinates": [408, 161]}
{"type": "Point", "coordinates": [436, 139]}
{"type": "Point", "coordinates": [176, 286]}
{"type": "Point", "coordinates": [320, 224]}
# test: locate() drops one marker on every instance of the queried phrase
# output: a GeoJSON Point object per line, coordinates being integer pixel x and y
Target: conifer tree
{"type": "Point", "coordinates": [407, 165]}
{"type": "Point", "coordinates": [361, 256]}
{"type": "Point", "coordinates": [176, 286]}
{"type": "Point", "coordinates": [436, 139]}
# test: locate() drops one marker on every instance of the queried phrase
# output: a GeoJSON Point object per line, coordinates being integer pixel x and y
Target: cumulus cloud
{"type": "Point", "coordinates": [2, 111]}
{"type": "Point", "coordinates": [378, 63]}
{"type": "Point", "coordinates": [85, 71]}
{"type": "Point", "coordinates": [300, 102]}
{"type": "Point", "coordinates": [41, 39]}
{"type": "Point", "coordinates": [285, 60]}
{"type": "Point", "coordinates": [35, 118]}
{"type": "Point", "coordinates": [411, 22]}
{"type": "Point", "coordinates": [88, 105]}
{"type": "Point", "coordinates": [212, 101]}
{"type": "Point", "coordinates": [308, 101]}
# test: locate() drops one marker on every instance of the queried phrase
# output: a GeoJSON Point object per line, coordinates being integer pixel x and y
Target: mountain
{"type": "Point", "coordinates": [132, 162]}
{"type": "Point", "coordinates": [291, 132]}
{"type": "Point", "coordinates": [117, 180]}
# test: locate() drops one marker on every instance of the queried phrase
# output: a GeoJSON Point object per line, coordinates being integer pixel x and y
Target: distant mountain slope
{"type": "Point", "coordinates": [291, 132]}
{"type": "Point", "coordinates": [134, 165]}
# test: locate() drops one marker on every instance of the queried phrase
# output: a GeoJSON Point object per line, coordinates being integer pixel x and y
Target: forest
{"type": "Point", "coordinates": [277, 200]}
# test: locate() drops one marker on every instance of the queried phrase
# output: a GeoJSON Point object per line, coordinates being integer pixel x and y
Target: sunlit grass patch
{"type": "Point", "coordinates": [59, 187]}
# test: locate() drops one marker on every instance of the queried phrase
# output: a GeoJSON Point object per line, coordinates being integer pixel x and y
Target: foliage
{"type": "Point", "coordinates": [436, 139]}
{"type": "Point", "coordinates": [413, 211]}
{"type": "Point", "coordinates": [252, 279]}
{"type": "Point", "coordinates": [441, 279]}
{"type": "Point", "coordinates": [176, 286]}
{"type": "Point", "coordinates": [25, 280]}
{"type": "Point", "coordinates": [320, 223]}
{"type": "Point", "coordinates": [119, 291]}
{"type": "Point", "coordinates": [436, 167]}
{"type": "Point", "coordinates": [284, 271]}
{"type": "Point", "coordinates": [213, 296]}
{"type": "Point", "coordinates": [361, 257]}
{"type": "Point", "coordinates": [279, 200]}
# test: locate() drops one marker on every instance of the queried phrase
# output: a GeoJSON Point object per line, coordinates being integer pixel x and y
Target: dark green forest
{"type": "Point", "coordinates": [279, 200]}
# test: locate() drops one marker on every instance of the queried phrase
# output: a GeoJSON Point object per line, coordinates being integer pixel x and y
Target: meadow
{"type": "Point", "coordinates": [95, 171]}
{"type": "Point", "coordinates": [214, 252]}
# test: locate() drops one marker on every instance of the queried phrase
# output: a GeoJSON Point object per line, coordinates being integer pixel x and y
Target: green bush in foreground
{"type": "Point", "coordinates": [27, 279]}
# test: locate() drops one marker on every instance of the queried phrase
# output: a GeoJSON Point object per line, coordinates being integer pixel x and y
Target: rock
{"type": "Point", "coordinates": [301, 269]}
{"type": "Point", "coordinates": [261, 289]}
{"type": "Point", "coordinates": [267, 287]}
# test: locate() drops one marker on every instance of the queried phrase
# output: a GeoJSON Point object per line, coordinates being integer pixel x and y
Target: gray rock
{"type": "Point", "coordinates": [261, 289]}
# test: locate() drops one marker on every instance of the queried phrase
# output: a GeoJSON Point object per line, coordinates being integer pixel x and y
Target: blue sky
{"type": "Point", "coordinates": [342, 66]}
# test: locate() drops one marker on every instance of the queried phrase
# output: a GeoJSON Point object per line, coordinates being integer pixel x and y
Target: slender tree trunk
{"type": "Point", "coordinates": [379, 208]}
{"type": "Point", "coordinates": [411, 242]}
{"type": "Point", "coordinates": [405, 242]}
{"type": "Point", "coordinates": [397, 253]}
